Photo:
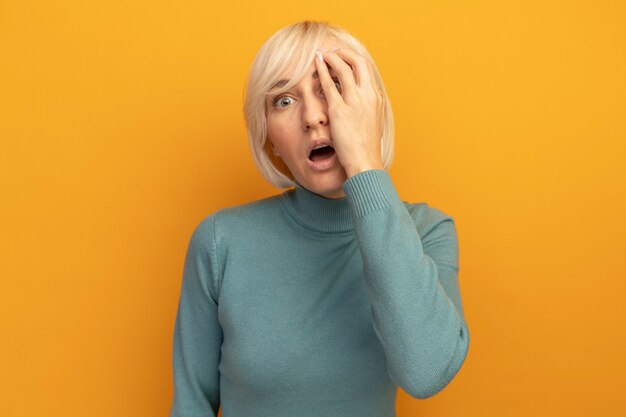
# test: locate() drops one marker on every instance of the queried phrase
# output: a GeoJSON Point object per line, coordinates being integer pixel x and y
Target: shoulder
{"type": "Point", "coordinates": [427, 218]}
{"type": "Point", "coordinates": [215, 233]}
{"type": "Point", "coordinates": [437, 230]}
{"type": "Point", "coordinates": [238, 218]}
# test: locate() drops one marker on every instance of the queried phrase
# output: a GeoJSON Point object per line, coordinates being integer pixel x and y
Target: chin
{"type": "Point", "coordinates": [330, 187]}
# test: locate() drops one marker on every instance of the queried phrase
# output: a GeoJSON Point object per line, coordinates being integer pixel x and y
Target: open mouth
{"type": "Point", "coordinates": [322, 153]}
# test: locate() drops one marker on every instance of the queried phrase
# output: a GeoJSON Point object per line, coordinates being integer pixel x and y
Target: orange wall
{"type": "Point", "coordinates": [121, 128]}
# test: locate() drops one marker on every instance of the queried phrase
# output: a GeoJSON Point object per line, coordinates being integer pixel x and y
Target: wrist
{"type": "Point", "coordinates": [353, 169]}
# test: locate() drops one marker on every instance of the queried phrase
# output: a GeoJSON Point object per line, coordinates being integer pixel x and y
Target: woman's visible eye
{"type": "Point", "coordinates": [338, 84]}
{"type": "Point", "coordinates": [279, 101]}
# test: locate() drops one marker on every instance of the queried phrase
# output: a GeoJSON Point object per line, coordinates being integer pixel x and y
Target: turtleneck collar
{"type": "Point", "coordinates": [316, 212]}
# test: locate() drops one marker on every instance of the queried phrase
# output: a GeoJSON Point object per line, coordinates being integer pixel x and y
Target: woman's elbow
{"type": "Point", "coordinates": [422, 384]}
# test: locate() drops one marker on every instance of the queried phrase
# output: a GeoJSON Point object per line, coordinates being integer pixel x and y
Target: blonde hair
{"type": "Point", "coordinates": [293, 47]}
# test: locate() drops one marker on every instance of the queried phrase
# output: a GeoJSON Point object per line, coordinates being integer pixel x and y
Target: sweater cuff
{"type": "Point", "coordinates": [369, 191]}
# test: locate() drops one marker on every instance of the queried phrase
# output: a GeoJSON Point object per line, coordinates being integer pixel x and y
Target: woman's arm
{"type": "Point", "coordinates": [413, 285]}
{"type": "Point", "coordinates": [197, 334]}
{"type": "Point", "coordinates": [412, 279]}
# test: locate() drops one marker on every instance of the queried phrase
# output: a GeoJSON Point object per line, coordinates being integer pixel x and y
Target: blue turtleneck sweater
{"type": "Point", "coordinates": [301, 306]}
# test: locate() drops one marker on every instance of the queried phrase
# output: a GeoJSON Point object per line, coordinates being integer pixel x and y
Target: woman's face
{"type": "Point", "coordinates": [297, 122]}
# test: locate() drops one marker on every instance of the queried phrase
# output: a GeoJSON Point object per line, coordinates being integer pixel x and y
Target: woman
{"type": "Point", "coordinates": [322, 300]}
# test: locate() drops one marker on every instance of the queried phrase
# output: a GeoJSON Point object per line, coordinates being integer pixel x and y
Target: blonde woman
{"type": "Point", "coordinates": [323, 299]}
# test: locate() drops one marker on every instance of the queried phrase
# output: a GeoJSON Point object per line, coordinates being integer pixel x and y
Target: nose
{"type": "Point", "coordinates": [315, 112]}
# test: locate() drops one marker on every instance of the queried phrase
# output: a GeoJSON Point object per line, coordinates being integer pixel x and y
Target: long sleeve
{"type": "Point", "coordinates": [197, 334]}
{"type": "Point", "coordinates": [412, 282]}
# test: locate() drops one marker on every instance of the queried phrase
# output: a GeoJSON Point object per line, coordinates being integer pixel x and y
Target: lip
{"type": "Point", "coordinates": [325, 163]}
{"type": "Point", "coordinates": [317, 142]}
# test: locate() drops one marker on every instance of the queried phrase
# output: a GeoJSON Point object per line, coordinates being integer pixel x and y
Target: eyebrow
{"type": "Point", "coordinates": [283, 82]}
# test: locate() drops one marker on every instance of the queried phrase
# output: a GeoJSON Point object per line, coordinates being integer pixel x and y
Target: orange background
{"type": "Point", "coordinates": [121, 128]}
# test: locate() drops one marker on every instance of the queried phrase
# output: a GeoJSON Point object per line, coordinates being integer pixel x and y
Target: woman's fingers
{"type": "Point", "coordinates": [358, 64]}
{"type": "Point", "coordinates": [328, 85]}
{"type": "Point", "coordinates": [355, 113]}
{"type": "Point", "coordinates": [355, 73]}
{"type": "Point", "coordinates": [343, 71]}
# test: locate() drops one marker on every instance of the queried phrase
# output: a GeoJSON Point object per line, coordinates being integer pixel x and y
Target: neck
{"type": "Point", "coordinates": [317, 212]}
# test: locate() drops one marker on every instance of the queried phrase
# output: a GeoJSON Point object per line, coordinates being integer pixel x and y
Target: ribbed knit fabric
{"type": "Point", "coordinates": [302, 306]}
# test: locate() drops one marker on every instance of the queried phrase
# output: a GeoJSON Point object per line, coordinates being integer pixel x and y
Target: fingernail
{"type": "Point", "coordinates": [319, 56]}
